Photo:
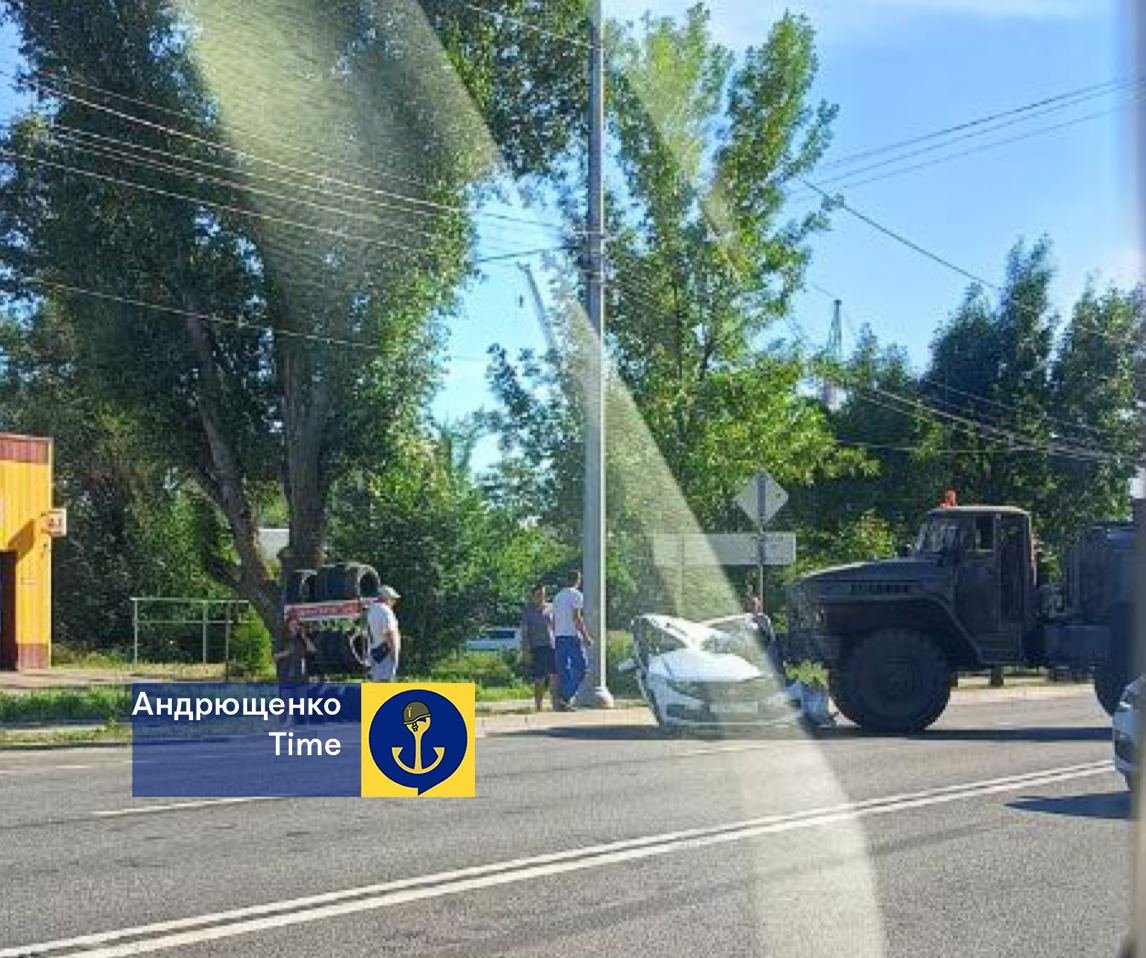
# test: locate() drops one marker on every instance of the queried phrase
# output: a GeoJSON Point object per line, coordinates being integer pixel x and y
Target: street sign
{"type": "Point", "coordinates": [724, 549]}
{"type": "Point", "coordinates": [779, 548]}
{"type": "Point", "coordinates": [762, 498]}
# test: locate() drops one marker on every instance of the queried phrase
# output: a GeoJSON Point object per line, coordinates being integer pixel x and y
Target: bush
{"type": "Point", "coordinates": [489, 670]}
{"type": "Point", "coordinates": [251, 649]}
{"type": "Point", "coordinates": [84, 656]}
{"type": "Point", "coordinates": [812, 674]}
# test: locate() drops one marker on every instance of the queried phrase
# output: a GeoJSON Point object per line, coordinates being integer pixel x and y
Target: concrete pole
{"type": "Point", "coordinates": [594, 690]}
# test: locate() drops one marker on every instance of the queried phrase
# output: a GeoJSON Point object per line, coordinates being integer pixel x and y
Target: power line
{"type": "Point", "coordinates": [986, 431]}
{"type": "Point", "coordinates": [72, 134]}
{"type": "Point", "coordinates": [1077, 95]}
{"type": "Point", "coordinates": [238, 210]}
{"type": "Point", "coordinates": [898, 237]}
{"type": "Point", "coordinates": [929, 450]}
{"type": "Point", "coordinates": [976, 427]}
{"type": "Point", "coordinates": [847, 180]}
{"type": "Point", "coordinates": [212, 318]}
{"type": "Point", "coordinates": [524, 24]}
{"type": "Point", "coordinates": [946, 263]}
{"type": "Point", "coordinates": [1096, 432]}
{"type": "Point", "coordinates": [146, 162]}
{"type": "Point", "coordinates": [323, 178]}
{"type": "Point", "coordinates": [281, 144]}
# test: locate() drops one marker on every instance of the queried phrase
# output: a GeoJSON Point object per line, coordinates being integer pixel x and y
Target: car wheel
{"type": "Point", "coordinates": [894, 680]}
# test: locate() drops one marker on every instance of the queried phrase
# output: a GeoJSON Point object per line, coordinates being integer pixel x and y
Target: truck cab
{"type": "Point", "coordinates": [990, 552]}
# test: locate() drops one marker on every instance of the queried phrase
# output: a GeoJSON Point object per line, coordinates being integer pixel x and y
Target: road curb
{"type": "Point", "coordinates": [493, 725]}
{"type": "Point", "coordinates": [964, 695]}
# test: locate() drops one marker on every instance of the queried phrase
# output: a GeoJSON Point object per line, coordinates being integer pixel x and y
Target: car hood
{"type": "Point", "coordinates": [697, 665]}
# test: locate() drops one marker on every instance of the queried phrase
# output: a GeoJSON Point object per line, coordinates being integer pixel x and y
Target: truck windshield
{"type": "Point", "coordinates": [935, 534]}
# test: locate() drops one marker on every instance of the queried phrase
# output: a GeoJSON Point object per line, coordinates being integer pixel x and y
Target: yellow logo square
{"type": "Point", "coordinates": [418, 740]}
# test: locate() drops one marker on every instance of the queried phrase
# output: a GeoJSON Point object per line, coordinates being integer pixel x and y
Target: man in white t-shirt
{"type": "Point", "coordinates": [385, 639]}
{"type": "Point", "coordinates": [572, 638]}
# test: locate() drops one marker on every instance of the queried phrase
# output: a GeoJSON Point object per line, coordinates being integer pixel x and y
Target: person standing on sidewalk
{"type": "Point", "coordinates": [385, 639]}
{"type": "Point", "coordinates": [537, 646]}
{"type": "Point", "coordinates": [571, 640]}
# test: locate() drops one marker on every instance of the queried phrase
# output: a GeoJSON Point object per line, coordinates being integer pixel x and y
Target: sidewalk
{"type": "Point", "coordinates": [86, 734]}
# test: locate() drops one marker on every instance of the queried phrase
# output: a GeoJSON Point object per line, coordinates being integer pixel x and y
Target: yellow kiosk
{"type": "Point", "coordinates": [28, 523]}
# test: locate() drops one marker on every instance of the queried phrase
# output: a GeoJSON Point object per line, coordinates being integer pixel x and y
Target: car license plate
{"type": "Point", "coordinates": [733, 708]}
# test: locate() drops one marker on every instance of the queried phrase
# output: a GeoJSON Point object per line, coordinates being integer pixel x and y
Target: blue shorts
{"type": "Point", "coordinates": [542, 662]}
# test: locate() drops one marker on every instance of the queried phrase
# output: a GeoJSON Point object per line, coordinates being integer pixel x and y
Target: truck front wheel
{"type": "Point", "coordinates": [894, 680]}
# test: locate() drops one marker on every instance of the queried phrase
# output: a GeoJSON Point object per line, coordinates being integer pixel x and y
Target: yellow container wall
{"type": "Point", "coordinates": [25, 498]}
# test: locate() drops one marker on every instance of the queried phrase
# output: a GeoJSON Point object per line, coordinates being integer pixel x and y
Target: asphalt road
{"type": "Point", "coordinates": [1002, 831]}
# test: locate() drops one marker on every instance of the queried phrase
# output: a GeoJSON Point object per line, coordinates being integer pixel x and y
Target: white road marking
{"type": "Point", "coordinates": [197, 929]}
{"type": "Point", "coordinates": [177, 806]}
{"type": "Point", "coordinates": [30, 769]}
{"type": "Point", "coordinates": [717, 749]}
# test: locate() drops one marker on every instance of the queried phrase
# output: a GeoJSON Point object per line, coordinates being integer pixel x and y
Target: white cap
{"type": "Point", "coordinates": [388, 592]}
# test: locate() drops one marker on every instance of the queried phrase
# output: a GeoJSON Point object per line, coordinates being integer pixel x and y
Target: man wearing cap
{"type": "Point", "coordinates": [385, 639]}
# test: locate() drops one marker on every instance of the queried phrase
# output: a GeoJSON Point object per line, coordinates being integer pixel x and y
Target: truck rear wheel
{"type": "Point", "coordinates": [1114, 674]}
{"type": "Point", "coordinates": [894, 680]}
{"type": "Point", "coordinates": [1110, 678]}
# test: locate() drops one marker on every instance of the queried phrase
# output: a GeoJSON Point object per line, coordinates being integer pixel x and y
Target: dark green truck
{"type": "Point", "coordinates": [965, 597]}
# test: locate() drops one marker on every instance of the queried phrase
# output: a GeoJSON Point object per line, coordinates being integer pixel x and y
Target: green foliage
{"type": "Point", "coordinates": [325, 301]}
{"type": "Point", "coordinates": [705, 261]}
{"type": "Point", "coordinates": [812, 674]}
{"type": "Point", "coordinates": [251, 649]}
{"type": "Point", "coordinates": [620, 648]}
{"type": "Point", "coordinates": [459, 563]}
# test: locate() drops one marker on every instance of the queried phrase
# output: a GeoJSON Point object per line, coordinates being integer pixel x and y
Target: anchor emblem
{"type": "Point", "coordinates": [416, 717]}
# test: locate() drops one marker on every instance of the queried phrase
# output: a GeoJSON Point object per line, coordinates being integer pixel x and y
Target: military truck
{"type": "Point", "coordinates": [967, 596]}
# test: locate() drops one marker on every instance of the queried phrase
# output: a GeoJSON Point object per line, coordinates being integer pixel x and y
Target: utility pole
{"type": "Point", "coordinates": [594, 690]}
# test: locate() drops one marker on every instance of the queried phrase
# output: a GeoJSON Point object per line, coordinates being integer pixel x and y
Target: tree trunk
{"type": "Point", "coordinates": [305, 403]}
{"type": "Point", "coordinates": [252, 579]}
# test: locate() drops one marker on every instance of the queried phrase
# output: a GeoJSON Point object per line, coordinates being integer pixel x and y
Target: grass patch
{"type": "Point", "coordinates": [108, 734]}
{"type": "Point", "coordinates": [65, 705]}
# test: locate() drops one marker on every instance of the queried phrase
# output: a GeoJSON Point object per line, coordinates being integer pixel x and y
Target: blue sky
{"type": "Point", "coordinates": [898, 68]}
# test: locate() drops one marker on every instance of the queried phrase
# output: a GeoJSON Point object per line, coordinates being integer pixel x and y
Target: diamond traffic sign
{"type": "Point", "coordinates": [762, 497]}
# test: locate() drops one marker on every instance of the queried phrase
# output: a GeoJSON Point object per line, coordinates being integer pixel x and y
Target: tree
{"type": "Point", "coordinates": [709, 147]}
{"type": "Point", "coordinates": [134, 526]}
{"type": "Point", "coordinates": [1095, 402]}
{"type": "Point", "coordinates": [870, 510]}
{"type": "Point", "coordinates": [990, 376]}
{"type": "Point", "coordinates": [297, 236]}
{"type": "Point", "coordinates": [702, 262]}
{"type": "Point", "coordinates": [459, 562]}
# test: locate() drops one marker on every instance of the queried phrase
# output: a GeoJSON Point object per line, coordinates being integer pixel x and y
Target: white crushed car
{"type": "Point", "coordinates": [697, 675]}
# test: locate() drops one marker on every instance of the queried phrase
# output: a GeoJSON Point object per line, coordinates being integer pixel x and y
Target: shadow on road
{"type": "Point", "coordinates": [638, 733]}
{"type": "Point", "coordinates": [1097, 733]}
{"type": "Point", "coordinates": [1110, 805]}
